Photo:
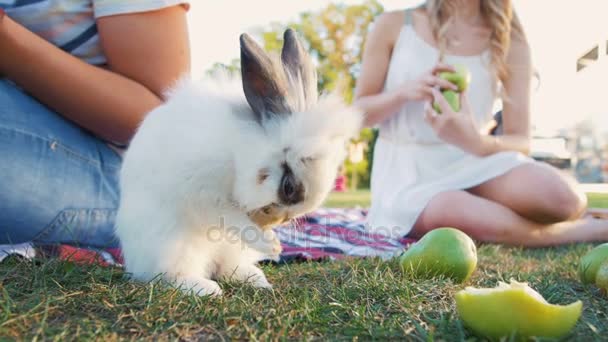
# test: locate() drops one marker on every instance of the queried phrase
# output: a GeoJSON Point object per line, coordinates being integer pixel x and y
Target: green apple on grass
{"type": "Point", "coordinates": [444, 252]}
{"type": "Point", "coordinates": [591, 262]}
{"type": "Point", "coordinates": [514, 309]}
{"type": "Point", "coordinates": [601, 278]}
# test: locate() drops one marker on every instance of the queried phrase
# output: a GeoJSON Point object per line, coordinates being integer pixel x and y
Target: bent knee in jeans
{"type": "Point", "coordinates": [58, 183]}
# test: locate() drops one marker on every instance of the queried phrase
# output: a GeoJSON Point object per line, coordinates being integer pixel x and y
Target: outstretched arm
{"type": "Point", "coordinates": [146, 53]}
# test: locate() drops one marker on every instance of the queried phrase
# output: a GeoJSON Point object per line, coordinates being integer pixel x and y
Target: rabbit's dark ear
{"type": "Point", "coordinates": [265, 86]}
{"type": "Point", "coordinates": [299, 64]}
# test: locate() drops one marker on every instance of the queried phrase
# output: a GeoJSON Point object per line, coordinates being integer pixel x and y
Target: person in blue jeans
{"type": "Point", "coordinates": [76, 79]}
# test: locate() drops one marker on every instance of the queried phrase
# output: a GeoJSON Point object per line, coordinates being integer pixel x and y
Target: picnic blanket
{"type": "Point", "coordinates": [326, 234]}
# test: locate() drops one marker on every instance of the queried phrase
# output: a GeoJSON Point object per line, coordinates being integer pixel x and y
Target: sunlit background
{"type": "Point", "coordinates": [569, 41]}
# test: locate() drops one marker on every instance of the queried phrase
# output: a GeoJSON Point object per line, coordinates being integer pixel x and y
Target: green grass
{"type": "Point", "coordinates": [358, 198]}
{"type": "Point", "coordinates": [598, 200]}
{"type": "Point", "coordinates": [369, 299]}
{"type": "Point", "coordinates": [362, 198]}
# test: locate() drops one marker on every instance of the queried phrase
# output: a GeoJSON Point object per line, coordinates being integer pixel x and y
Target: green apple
{"type": "Point", "coordinates": [514, 310]}
{"type": "Point", "coordinates": [601, 278]}
{"type": "Point", "coordinates": [590, 263]}
{"type": "Point", "coordinates": [461, 77]}
{"type": "Point", "coordinates": [444, 252]}
{"type": "Point", "coordinates": [453, 99]}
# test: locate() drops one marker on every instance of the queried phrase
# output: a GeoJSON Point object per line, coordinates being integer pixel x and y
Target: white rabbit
{"type": "Point", "coordinates": [212, 168]}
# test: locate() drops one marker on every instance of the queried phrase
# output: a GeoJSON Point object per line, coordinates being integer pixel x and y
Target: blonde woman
{"type": "Point", "coordinates": [435, 170]}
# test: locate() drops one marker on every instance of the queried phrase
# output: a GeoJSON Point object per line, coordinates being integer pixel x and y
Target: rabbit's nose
{"type": "Point", "coordinates": [290, 191]}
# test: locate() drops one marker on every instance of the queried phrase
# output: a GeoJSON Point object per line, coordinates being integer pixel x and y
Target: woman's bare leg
{"type": "Point", "coordinates": [537, 192]}
{"type": "Point", "coordinates": [488, 221]}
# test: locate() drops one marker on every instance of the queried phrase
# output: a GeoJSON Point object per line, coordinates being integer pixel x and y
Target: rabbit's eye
{"type": "Point", "coordinates": [263, 174]}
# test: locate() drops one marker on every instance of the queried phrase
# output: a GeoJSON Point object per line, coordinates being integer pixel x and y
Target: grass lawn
{"type": "Point", "coordinates": [361, 198]}
{"type": "Point", "coordinates": [368, 298]}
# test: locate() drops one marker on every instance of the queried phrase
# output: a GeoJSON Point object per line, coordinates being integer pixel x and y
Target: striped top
{"type": "Point", "coordinates": [70, 24]}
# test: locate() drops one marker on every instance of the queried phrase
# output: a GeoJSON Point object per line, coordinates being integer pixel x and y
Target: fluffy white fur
{"type": "Point", "coordinates": [192, 174]}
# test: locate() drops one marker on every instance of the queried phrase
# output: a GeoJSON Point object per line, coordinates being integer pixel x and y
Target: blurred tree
{"type": "Point", "coordinates": [359, 172]}
{"type": "Point", "coordinates": [334, 37]}
{"type": "Point", "coordinates": [232, 68]}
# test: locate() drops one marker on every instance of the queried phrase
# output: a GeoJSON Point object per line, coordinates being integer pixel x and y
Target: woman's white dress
{"type": "Point", "coordinates": [411, 164]}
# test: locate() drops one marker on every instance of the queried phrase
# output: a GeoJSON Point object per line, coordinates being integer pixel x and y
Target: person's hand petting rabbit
{"type": "Point", "coordinates": [210, 171]}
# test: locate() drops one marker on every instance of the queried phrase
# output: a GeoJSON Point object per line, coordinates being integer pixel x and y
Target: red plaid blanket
{"type": "Point", "coordinates": [325, 234]}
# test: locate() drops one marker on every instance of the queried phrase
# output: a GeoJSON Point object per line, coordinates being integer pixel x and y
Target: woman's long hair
{"type": "Point", "coordinates": [498, 15]}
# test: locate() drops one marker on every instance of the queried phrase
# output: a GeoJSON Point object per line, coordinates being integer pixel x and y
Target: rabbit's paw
{"type": "Point", "coordinates": [276, 249]}
{"type": "Point", "coordinates": [262, 283]}
{"type": "Point", "coordinates": [200, 286]}
{"type": "Point", "coordinates": [249, 274]}
{"type": "Point", "coordinates": [265, 243]}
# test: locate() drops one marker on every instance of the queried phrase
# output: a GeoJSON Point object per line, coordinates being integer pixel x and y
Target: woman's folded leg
{"type": "Point", "coordinates": [536, 191]}
{"type": "Point", "coordinates": [488, 221]}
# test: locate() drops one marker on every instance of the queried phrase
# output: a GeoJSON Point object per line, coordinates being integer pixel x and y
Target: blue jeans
{"type": "Point", "coordinates": [58, 183]}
